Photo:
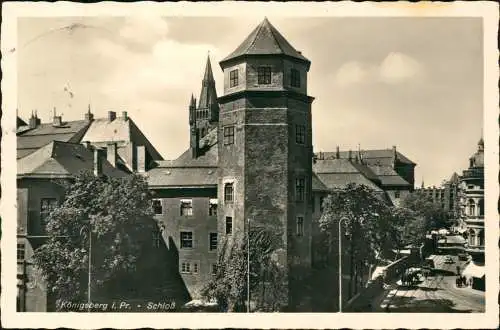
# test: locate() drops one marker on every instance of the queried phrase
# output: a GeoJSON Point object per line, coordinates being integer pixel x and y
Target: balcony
{"type": "Point", "coordinates": [473, 173]}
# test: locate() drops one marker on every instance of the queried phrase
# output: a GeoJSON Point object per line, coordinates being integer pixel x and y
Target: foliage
{"type": "Point", "coordinates": [267, 273]}
{"type": "Point", "coordinates": [422, 205]}
{"type": "Point", "coordinates": [408, 227]}
{"type": "Point", "coordinates": [118, 213]}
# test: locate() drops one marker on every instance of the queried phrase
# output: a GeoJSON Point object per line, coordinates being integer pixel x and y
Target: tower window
{"type": "Point", "coordinates": [156, 238]}
{"type": "Point", "coordinates": [300, 187]}
{"type": "Point", "coordinates": [295, 78]}
{"type": "Point", "coordinates": [186, 239]}
{"type": "Point", "coordinates": [229, 225]}
{"type": "Point", "coordinates": [185, 267]}
{"type": "Point", "coordinates": [213, 241]}
{"type": "Point", "coordinates": [186, 207]}
{"type": "Point", "coordinates": [228, 193]}
{"type": "Point", "coordinates": [300, 226]}
{"type": "Point", "coordinates": [196, 268]}
{"type": "Point", "coordinates": [157, 207]}
{"type": "Point", "coordinates": [233, 78]}
{"type": "Point", "coordinates": [20, 251]}
{"type": "Point", "coordinates": [397, 194]}
{"type": "Point", "coordinates": [228, 135]}
{"type": "Point", "coordinates": [264, 75]}
{"type": "Point", "coordinates": [300, 134]}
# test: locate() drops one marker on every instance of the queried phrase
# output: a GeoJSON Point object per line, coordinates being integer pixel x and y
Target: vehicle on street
{"type": "Point", "coordinates": [448, 260]}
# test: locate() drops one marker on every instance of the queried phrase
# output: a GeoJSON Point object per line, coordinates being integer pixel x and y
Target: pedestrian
{"type": "Point", "coordinates": [458, 270]}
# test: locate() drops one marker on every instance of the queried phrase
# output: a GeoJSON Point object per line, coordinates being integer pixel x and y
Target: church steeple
{"type": "Point", "coordinates": [208, 95]}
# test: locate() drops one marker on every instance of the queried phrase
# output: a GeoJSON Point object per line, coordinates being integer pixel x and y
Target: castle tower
{"type": "Point", "coordinates": [207, 111]}
{"type": "Point", "coordinates": [265, 147]}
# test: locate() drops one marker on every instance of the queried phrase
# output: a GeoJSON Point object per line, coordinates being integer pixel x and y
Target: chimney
{"type": "Point", "coordinates": [394, 156]}
{"type": "Point", "coordinates": [111, 153]}
{"type": "Point", "coordinates": [194, 141]}
{"type": "Point", "coordinates": [33, 121]}
{"type": "Point", "coordinates": [98, 162]}
{"type": "Point", "coordinates": [337, 153]}
{"type": "Point", "coordinates": [111, 115]}
{"type": "Point", "coordinates": [57, 121]}
{"type": "Point", "coordinates": [89, 116]}
{"type": "Point", "coordinates": [124, 115]}
{"type": "Point", "coordinates": [141, 159]}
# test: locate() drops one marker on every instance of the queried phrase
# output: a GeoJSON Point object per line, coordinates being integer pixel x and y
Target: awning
{"type": "Point", "coordinates": [473, 270]}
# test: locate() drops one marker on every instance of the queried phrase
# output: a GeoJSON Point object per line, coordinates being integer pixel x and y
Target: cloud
{"type": "Point", "coordinates": [398, 67]}
{"type": "Point", "coordinates": [395, 68]}
{"type": "Point", "coordinates": [144, 29]}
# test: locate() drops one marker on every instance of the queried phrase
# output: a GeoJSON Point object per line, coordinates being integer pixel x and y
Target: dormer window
{"type": "Point", "coordinates": [264, 75]}
{"type": "Point", "coordinates": [295, 78]}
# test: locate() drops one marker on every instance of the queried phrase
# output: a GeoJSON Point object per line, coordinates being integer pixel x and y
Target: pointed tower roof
{"type": "Point", "coordinates": [192, 103]}
{"type": "Point", "coordinates": [265, 39]}
{"type": "Point", "coordinates": [208, 95]}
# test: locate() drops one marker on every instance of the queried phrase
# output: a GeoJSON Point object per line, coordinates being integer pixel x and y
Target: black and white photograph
{"type": "Point", "coordinates": [243, 158]}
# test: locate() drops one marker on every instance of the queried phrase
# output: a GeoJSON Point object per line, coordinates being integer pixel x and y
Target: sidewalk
{"type": "Point", "coordinates": [382, 302]}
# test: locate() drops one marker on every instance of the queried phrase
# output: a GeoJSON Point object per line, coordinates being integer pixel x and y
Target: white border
{"type": "Point", "coordinates": [10, 13]}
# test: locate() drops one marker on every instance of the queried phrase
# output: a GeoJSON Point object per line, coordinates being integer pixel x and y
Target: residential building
{"type": "Point", "coordinates": [447, 195]}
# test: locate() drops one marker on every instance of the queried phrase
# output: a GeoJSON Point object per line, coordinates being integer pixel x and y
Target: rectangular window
{"type": "Point", "coordinates": [233, 78]}
{"type": "Point", "coordinates": [212, 208]}
{"type": "Point", "coordinates": [264, 75]}
{"type": "Point", "coordinates": [397, 194]}
{"type": "Point", "coordinates": [228, 135]}
{"type": "Point", "coordinates": [300, 187]}
{"type": "Point", "coordinates": [295, 78]}
{"type": "Point", "coordinates": [46, 207]}
{"type": "Point", "coordinates": [196, 268]}
{"type": "Point", "coordinates": [300, 134]}
{"type": "Point", "coordinates": [20, 251]}
{"type": "Point", "coordinates": [300, 226]}
{"type": "Point", "coordinates": [229, 225]}
{"type": "Point", "coordinates": [185, 267]}
{"type": "Point", "coordinates": [186, 207]}
{"type": "Point", "coordinates": [157, 207]}
{"type": "Point", "coordinates": [186, 239]}
{"type": "Point", "coordinates": [228, 193]}
{"type": "Point", "coordinates": [321, 201]}
{"type": "Point", "coordinates": [214, 269]}
{"type": "Point", "coordinates": [213, 241]}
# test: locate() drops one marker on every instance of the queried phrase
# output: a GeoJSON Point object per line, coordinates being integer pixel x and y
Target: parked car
{"type": "Point", "coordinates": [463, 256]}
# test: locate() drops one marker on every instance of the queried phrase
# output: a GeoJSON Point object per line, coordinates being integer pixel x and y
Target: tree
{"type": "Point", "coordinates": [365, 219]}
{"type": "Point", "coordinates": [422, 205]}
{"type": "Point", "coordinates": [267, 274]}
{"type": "Point", "coordinates": [408, 228]}
{"type": "Point", "coordinates": [116, 215]}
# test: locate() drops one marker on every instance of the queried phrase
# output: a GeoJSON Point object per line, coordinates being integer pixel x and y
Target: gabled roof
{"type": "Point", "coordinates": [119, 130]}
{"type": "Point", "coordinates": [61, 159]}
{"type": "Point", "coordinates": [29, 140]}
{"type": "Point", "coordinates": [265, 39]}
{"type": "Point", "coordinates": [388, 176]}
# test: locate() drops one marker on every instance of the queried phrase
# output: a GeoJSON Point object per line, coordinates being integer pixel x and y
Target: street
{"type": "Point", "coordinates": [437, 293]}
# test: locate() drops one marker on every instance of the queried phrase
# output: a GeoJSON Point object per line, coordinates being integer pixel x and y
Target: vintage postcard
{"type": "Point", "coordinates": [265, 165]}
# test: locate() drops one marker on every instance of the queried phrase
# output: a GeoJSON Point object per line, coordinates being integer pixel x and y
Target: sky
{"type": "Point", "coordinates": [413, 83]}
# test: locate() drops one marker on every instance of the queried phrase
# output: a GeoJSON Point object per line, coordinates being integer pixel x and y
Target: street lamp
{"type": "Point", "coordinates": [340, 263]}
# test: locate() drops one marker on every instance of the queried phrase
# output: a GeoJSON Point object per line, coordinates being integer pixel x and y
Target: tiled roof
{"type": "Point", "coordinates": [265, 39]}
{"type": "Point", "coordinates": [387, 176]}
{"type": "Point", "coordinates": [29, 140]}
{"type": "Point", "coordinates": [64, 159]}
{"type": "Point", "coordinates": [337, 173]}
{"type": "Point", "coordinates": [373, 157]}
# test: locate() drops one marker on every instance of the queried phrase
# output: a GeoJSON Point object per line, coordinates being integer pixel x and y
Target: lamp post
{"type": "Point", "coordinates": [340, 264]}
